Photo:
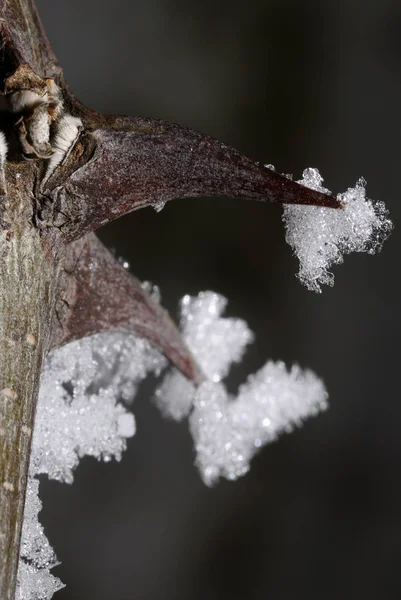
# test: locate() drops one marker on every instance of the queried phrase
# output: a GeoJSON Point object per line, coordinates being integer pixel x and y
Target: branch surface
{"type": "Point", "coordinates": [138, 162]}
{"type": "Point", "coordinates": [98, 294]}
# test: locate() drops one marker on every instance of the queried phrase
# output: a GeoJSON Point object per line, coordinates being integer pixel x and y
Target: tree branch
{"type": "Point", "coordinates": [27, 291]}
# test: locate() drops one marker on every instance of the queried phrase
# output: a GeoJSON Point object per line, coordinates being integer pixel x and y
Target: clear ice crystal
{"type": "Point", "coordinates": [79, 414]}
{"type": "Point", "coordinates": [36, 584]}
{"type": "Point", "coordinates": [215, 342]}
{"type": "Point", "coordinates": [321, 236]}
{"type": "Point", "coordinates": [228, 431]}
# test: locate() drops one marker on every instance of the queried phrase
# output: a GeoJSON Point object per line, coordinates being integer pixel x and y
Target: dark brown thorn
{"type": "Point", "coordinates": [144, 162]}
{"type": "Point", "coordinates": [98, 295]}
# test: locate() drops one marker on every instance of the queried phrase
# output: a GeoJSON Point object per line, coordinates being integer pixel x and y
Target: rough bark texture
{"type": "Point", "coordinates": [27, 289]}
{"type": "Point", "coordinates": [24, 40]}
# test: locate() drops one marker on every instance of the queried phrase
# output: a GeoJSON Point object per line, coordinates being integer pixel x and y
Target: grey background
{"type": "Point", "coordinates": [297, 84]}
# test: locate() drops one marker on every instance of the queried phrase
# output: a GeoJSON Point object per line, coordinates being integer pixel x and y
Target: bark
{"type": "Point", "coordinates": [24, 41]}
{"type": "Point", "coordinates": [28, 279]}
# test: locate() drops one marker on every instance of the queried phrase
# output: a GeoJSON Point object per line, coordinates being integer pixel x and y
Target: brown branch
{"type": "Point", "coordinates": [27, 298]}
{"type": "Point", "coordinates": [27, 290]}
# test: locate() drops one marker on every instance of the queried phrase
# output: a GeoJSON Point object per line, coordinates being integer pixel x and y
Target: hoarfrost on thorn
{"type": "Point", "coordinates": [320, 237]}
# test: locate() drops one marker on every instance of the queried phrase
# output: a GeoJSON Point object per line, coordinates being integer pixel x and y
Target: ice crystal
{"type": "Point", "coordinates": [79, 414]}
{"type": "Point", "coordinates": [35, 582]}
{"type": "Point", "coordinates": [321, 236]}
{"type": "Point", "coordinates": [215, 342]}
{"type": "Point", "coordinates": [228, 431]}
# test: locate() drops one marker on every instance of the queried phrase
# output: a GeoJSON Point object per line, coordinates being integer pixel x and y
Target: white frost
{"type": "Point", "coordinates": [37, 557]}
{"type": "Point", "coordinates": [215, 342]}
{"type": "Point", "coordinates": [321, 236]}
{"type": "Point", "coordinates": [228, 431]}
{"type": "Point", "coordinates": [79, 414]}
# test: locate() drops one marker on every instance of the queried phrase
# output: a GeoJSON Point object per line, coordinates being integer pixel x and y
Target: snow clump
{"type": "Point", "coordinates": [320, 236]}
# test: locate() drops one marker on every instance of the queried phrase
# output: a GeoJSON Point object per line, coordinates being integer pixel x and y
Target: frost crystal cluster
{"type": "Point", "coordinates": [321, 236]}
{"type": "Point", "coordinates": [228, 431]}
{"type": "Point", "coordinates": [79, 414]}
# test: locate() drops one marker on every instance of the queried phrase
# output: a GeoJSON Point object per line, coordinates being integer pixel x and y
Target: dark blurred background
{"type": "Point", "coordinates": [295, 83]}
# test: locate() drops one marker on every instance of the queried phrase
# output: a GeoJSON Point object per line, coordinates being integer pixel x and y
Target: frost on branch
{"type": "Point", "coordinates": [228, 431]}
{"type": "Point", "coordinates": [37, 557]}
{"type": "Point", "coordinates": [79, 414]}
{"type": "Point", "coordinates": [215, 342]}
{"type": "Point", "coordinates": [77, 411]}
{"type": "Point", "coordinates": [321, 236]}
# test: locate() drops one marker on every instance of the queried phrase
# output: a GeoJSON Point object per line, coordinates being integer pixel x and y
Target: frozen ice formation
{"type": "Point", "coordinates": [228, 431]}
{"type": "Point", "coordinates": [79, 414]}
{"type": "Point", "coordinates": [321, 236]}
{"type": "Point", "coordinates": [215, 342]}
{"type": "Point", "coordinates": [37, 557]}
